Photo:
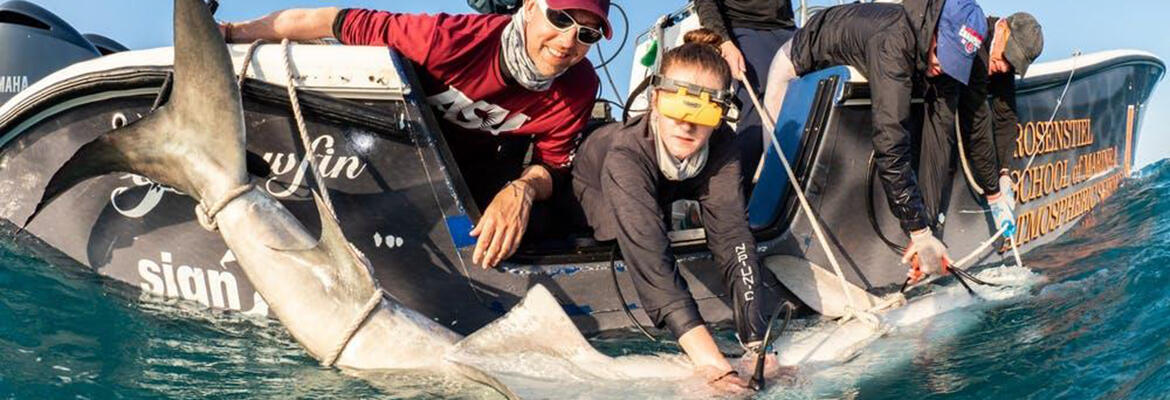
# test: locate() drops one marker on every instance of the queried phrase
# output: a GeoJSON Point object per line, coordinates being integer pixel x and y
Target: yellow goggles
{"type": "Point", "coordinates": [692, 103]}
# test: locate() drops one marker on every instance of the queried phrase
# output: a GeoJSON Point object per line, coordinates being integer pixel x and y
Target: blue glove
{"type": "Point", "coordinates": [1001, 212]}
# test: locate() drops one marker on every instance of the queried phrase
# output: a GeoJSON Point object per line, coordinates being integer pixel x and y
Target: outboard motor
{"type": "Point", "coordinates": [495, 6]}
{"type": "Point", "coordinates": [105, 45]}
{"type": "Point", "coordinates": [35, 43]}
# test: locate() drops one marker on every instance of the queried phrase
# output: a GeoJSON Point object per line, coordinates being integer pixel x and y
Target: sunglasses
{"type": "Point", "coordinates": [562, 21]}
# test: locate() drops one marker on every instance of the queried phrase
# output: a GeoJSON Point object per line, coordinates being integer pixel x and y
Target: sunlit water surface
{"type": "Point", "coordinates": [1091, 322]}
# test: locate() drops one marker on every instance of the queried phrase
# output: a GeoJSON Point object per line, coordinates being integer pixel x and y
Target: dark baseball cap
{"type": "Point", "coordinates": [599, 8]}
{"type": "Point", "coordinates": [1025, 42]}
{"type": "Point", "coordinates": [961, 30]}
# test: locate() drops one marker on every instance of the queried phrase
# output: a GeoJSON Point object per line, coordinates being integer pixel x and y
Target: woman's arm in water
{"type": "Point", "coordinates": [292, 24]}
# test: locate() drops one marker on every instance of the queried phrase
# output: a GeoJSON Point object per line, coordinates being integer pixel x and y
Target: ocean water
{"type": "Point", "coordinates": [1090, 320]}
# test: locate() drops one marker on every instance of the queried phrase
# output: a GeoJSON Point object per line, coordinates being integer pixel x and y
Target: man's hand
{"type": "Point", "coordinates": [926, 255]}
{"type": "Point", "coordinates": [503, 223]}
{"type": "Point", "coordinates": [734, 59]}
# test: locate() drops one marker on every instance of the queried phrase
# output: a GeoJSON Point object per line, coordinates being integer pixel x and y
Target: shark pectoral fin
{"type": "Point", "coordinates": [538, 324]}
{"type": "Point", "coordinates": [478, 376]}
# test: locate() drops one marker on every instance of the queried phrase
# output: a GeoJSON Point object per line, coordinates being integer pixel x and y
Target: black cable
{"type": "Point", "coordinates": [622, 46]}
{"type": "Point", "coordinates": [897, 248]}
{"type": "Point", "coordinates": [757, 381]}
{"type": "Point", "coordinates": [962, 276]}
{"type": "Point", "coordinates": [605, 62]}
{"type": "Point", "coordinates": [642, 86]}
{"type": "Point", "coordinates": [608, 76]}
{"type": "Point", "coordinates": [625, 306]}
{"type": "Point", "coordinates": [604, 66]}
{"type": "Point", "coordinates": [963, 282]}
{"type": "Point", "coordinates": [614, 103]}
{"type": "Point", "coordinates": [967, 274]}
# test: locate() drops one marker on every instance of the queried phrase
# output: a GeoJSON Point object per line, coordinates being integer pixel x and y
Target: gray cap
{"type": "Point", "coordinates": [1025, 42]}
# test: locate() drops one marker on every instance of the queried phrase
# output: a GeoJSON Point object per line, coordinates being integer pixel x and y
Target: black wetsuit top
{"type": "Point", "coordinates": [721, 16]}
{"type": "Point", "coordinates": [889, 44]}
{"type": "Point", "coordinates": [625, 197]}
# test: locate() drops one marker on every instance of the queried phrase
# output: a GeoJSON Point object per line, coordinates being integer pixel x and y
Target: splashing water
{"type": "Point", "coordinates": [1087, 320]}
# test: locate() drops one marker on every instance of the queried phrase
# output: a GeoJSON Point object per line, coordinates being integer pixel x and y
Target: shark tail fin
{"type": "Point", "coordinates": [194, 143]}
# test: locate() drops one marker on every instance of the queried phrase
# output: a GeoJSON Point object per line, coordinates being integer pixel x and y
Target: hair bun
{"type": "Point", "coordinates": [704, 36]}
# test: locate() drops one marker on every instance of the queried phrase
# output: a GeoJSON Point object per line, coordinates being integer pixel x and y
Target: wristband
{"type": "Point", "coordinates": [227, 32]}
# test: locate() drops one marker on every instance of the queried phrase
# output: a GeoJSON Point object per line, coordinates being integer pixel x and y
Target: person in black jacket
{"type": "Point", "coordinates": [752, 32]}
{"type": "Point", "coordinates": [626, 175]}
{"type": "Point", "coordinates": [1013, 44]}
{"type": "Point", "coordinates": [928, 42]}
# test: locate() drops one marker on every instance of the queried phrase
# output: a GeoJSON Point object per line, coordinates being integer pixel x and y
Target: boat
{"type": "Point", "coordinates": [402, 202]}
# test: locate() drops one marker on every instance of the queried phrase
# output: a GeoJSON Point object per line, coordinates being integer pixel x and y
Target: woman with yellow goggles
{"type": "Point", "coordinates": [626, 175]}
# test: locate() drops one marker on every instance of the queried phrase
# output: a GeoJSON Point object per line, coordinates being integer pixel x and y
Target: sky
{"type": "Point", "coordinates": [1069, 25]}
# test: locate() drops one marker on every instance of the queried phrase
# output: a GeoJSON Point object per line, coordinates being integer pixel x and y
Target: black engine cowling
{"type": "Point", "coordinates": [34, 42]}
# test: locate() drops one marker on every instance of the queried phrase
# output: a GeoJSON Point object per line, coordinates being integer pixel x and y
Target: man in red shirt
{"type": "Point", "coordinates": [496, 82]}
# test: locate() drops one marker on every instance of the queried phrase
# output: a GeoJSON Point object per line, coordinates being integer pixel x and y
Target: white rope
{"type": "Point", "coordinates": [247, 61]}
{"type": "Point", "coordinates": [371, 305]}
{"type": "Point", "coordinates": [301, 128]}
{"type": "Point", "coordinates": [963, 158]}
{"type": "Point", "coordinates": [851, 311]}
{"type": "Point", "coordinates": [1043, 136]}
{"type": "Point", "coordinates": [206, 215]}
{"type": "Point", "coordinates": [376, 299]}
{"type": "Point", "coordinates": [979, 250]}
{"type": "Point", "coordinates": [978, 189]}
{"type": "Point", "coordinates": [1059, 102]}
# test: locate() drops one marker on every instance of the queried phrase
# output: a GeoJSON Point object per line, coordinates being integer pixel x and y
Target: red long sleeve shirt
{"type": "Point", "coordinates": [460, 68]}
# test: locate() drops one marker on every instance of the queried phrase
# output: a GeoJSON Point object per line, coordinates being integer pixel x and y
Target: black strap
{"type": "Point", "coordinates": [757, 381]}
{"type": "Point", "coordinates": [634, 95]}
{"type": "Point", "coordinates": [621, 297]}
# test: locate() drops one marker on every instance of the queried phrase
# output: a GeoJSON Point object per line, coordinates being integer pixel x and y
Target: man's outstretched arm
{"type": "Point", "coordinates": [293, 24]}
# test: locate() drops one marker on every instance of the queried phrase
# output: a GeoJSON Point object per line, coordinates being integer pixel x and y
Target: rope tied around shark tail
{"type": "Point", "coordinates": [206, 215]}
{"type": "Point", "coordinates": [371, 305]}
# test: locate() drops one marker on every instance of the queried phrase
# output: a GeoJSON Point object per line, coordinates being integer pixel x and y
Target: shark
{"type": "Point", "coordinates": [322, 289]}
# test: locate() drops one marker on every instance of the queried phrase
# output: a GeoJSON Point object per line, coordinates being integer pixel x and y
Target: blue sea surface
{"type": "Point", "coordinates": [1095, 326]}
